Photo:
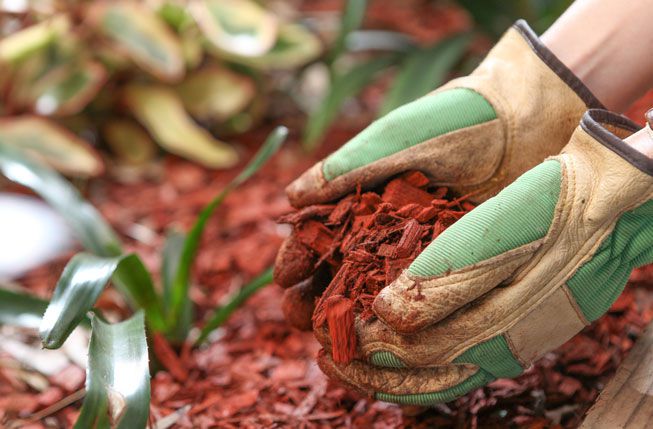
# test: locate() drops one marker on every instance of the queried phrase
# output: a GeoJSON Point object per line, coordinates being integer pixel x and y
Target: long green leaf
{"type": "Point", "coordinates": [133, 279]}
{"type": "Point", "coordinates": [90, 228]}
{"type": "Point", "coordinates": [352, 18]}
{"type": "Point", "coordinates": [172, 252]}
{"type": "Point", "coordinates": [80, 285]}
{"type": "Point", "coordinates": [221, 314]}
{"type": "Point", "coordinates": [117, 376]}
{"type": "Point", "coordinates": [179, 292]}
{"type": "Point", "coordinates": [424, 70]}
{"type": "Point", "coordinates": [20, 309]}
{"type": "Point", "coordinates": [344, 86]}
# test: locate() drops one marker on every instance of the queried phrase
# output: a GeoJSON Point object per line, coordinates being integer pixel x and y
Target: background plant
{"type": "Point", "coordinates": [358, 57]}
{"type": "Point", "coordinates": [118, 379]}
{"type": "Point", "coordinates": [128, 74]}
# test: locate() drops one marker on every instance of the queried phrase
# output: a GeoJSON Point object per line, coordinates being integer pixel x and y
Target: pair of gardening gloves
{"type": "Point", "coordinates": [546, 253]}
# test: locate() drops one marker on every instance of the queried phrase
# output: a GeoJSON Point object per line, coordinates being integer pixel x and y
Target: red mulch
{"type": "Point", "coordinates": [364, 241]}
{"type": "Point", "coordinates": [256, 371]}
{"type": "Point", "coordinates": [259, 372]}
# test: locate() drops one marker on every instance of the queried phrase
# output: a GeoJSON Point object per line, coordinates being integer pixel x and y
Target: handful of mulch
{"type": "Point", "coordinates": [356, 247]}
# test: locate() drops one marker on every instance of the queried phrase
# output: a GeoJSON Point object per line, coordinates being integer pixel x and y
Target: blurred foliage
{"type": "Point", "coordinates": [185, 74]}
{"type": "Point", "coordinates": [495, 16]}
{"type": "Point", "coordinates": [127, 75]}
{"type": "Point", "coordinates": [359, 56]}
{"type": "Point", "coordinates": [118, 365]}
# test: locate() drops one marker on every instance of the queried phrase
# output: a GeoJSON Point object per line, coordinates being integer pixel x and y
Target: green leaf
{"type": "Point", "coordinates": [52, 144]}
{"type": "Point", "coordinates": [129, 141]}
{"type": "Point", "coordinates": [117, 377]}
{"type": "Point", "coordinates": [80, 285]}
{"type": "Point", "coordinates": [216, 93]}
{"type": "Point", "coordinates": [379, 40]}
{"type": "Point", "coordinates": [21, 309]}
{"type": "Point", "coordinates": [25, 42]}
{"type": "Point", "coordinates": [140, 33]}
{"type": "Point", "coordinates": [179, 293]}
{"type": "Point", "coordinates": [240, 27]}
{"type": "Point", "coordinates": [343, 87]}
{"type": "Point", "coordinates": [352, 18]}
{"type": "Point", "coordinates": [175, 14]}
{"type": "Point", "coordinates": [134, 280]}
{"type": "Point", "coordinates": [172, 252]}
{"type": "Point", "coordinates": [90, 228]}
{"type": "Point", "coordinates": [161, 111]}
{"type": "Point", "coordinates": [221, 314]}
{"type": "Point", "coordinates": [295, 47]}
{"type": "Point", "coordinates": [424, 70]}
{"type": "Point", "coordinates": [68, 89]}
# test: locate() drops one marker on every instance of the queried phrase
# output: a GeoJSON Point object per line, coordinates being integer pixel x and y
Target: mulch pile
{"type": "Point", "coordinates": [366, 240]}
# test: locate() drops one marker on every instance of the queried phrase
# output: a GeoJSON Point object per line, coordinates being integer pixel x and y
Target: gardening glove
{"type": "Point", "coordinates": [475, 134]}
{"type": "Point", "coordinates": [513, 279]}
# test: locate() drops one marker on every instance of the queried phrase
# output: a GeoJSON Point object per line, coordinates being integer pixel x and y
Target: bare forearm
{"type": "Point", "coordinates": [607, 44]}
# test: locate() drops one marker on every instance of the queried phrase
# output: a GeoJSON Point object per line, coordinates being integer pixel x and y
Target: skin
{"type": "Point", "coordinates": [606, 43]}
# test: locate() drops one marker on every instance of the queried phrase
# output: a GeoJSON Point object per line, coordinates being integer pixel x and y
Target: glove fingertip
{"type": "Point", "coordinates": [294, 263]}
{"type": "Point", "coordinates": [400, 312]}
{"type": "Point", "coordinates": [307, 188]}
{"type": "Point", "coordinates": [298, 304]}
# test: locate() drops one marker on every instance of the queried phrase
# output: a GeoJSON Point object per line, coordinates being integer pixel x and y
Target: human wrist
{"type": "Point", "coordinates": [606, 47]}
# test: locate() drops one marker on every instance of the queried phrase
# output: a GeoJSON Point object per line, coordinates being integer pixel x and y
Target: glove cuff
{"type": "Point", "coordinates": [557, 66]}
{"type": "Point", "coordinates": [607, 128]}
{"type": "Point", "coordinates": [538, 100]}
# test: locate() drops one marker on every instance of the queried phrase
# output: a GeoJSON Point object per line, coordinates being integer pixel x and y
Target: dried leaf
{"type": "Point", "coordinates": [129, 141]}
{"type": "Point", "coordinates": [216, 93]}
{"type": "Point", "coordinates": [161, 111]}
{"type": "Point", "coordinates": [51, 144]}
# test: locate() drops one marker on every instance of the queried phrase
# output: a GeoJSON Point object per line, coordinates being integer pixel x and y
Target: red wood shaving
{"type": "Point", "coordinates": [340, 319]}
{"type": "Point", "coordinates": [367, 240]}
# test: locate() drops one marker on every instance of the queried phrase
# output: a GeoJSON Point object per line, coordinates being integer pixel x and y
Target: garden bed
{"type": "Point", "coordinates": [257, 370]}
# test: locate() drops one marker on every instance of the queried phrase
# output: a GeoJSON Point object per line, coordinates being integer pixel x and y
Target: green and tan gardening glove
{"type": "Point", "coordinates": [513, 279]}
{"type": "Point", "coordinates": [475, 134]}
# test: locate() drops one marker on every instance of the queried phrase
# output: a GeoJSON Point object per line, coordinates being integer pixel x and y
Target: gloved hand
{"type": "Point", "coordinates": [475, 134]}
{"type": "Point", "coordinates": [513, 279]}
